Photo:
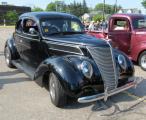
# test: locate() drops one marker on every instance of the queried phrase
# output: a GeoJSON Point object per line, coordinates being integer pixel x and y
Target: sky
{"type": "Point", "coordinates": [90, 3]}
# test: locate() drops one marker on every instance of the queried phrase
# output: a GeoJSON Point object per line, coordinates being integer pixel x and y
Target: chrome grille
{"type": "Point", "coordinates": [105, 61]}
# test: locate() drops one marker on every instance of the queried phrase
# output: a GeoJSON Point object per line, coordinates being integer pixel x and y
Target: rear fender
{"type": "Point", "coordinates": [137, 50]}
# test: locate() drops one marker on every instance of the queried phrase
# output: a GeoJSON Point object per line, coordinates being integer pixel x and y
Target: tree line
{"type": "Point", "coordinates": [75, 8]}
{"type": "Point", "coordinates": [79, 9]}
{"type": "Point", "coordinates": [9, 18]}
{"type": "Point", "coordinates": [143, 3]}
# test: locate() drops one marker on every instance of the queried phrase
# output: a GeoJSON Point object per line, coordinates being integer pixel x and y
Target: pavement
{"type": "Point", "coordinates": [22, 99]}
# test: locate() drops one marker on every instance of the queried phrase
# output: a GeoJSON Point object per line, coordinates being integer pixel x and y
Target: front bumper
{"type": "Point", "coordinates": [134, 81]}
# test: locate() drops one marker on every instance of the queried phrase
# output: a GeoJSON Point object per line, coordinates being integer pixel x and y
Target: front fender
{"type": "Point", "coordinates": [130, 67]}
{"type": "Point", "coordinates": [70, 78]}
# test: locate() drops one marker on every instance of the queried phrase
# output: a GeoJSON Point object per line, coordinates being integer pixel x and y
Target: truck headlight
{"type": "Point", "coordinates": [122, 61]}
{"type": "Point", "coordinates": [86, 69]}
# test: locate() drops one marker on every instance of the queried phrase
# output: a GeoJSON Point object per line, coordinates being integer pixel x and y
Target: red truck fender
{"type": "Point", "coordinates": [137, 50]}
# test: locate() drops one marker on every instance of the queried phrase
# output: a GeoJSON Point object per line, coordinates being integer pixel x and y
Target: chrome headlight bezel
{"type": "Point", "coordinates": [122, 61]}
{"type": "Point", "coordinates": [87, 69]}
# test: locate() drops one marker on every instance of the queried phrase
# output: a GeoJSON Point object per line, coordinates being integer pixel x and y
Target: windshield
{"type": "Point", "coordinates": [59, 26]}
{"type": "Point", "coordinates": [139, 23]}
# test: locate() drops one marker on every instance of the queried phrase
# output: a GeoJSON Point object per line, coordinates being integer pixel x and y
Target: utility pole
{"type": "Point", "coordinates": [56, 3]}
{"type": "Point", "coordinates": [103, 15]}
{"type": "Point", "coordinates": [59, 4]}
{"type": "Point", "coordinates": [4, 22]}
{"type": "Point", "coordinates": [116, 6]}
{"type": "Point", "coordinates": [56, 6]}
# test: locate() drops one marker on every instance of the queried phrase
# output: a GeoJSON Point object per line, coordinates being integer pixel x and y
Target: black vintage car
{"type": "Point", "coordinates": [53, 50]}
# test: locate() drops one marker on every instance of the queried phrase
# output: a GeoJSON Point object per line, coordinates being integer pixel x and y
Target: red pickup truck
{"type": "Point", "coordinates": [128, 34]}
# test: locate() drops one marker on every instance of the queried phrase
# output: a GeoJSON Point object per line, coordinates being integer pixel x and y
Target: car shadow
{"type": "Point", "coordinates": [131, 95]}
{"type": "Point", "coordinates": [1, 53]}
{"type": "Point", "coordinates": [9, 73]}
{"type": "Point", "coordinates": [5, 81]}
{"type": "Point", "coordinates": [136, 96]}
{"type": "Point", "coordinates": [104, 108]}
{"type": "Point", "coordinates": [140, 90]}
{"type": "Point", "coordinates": [73, 104]}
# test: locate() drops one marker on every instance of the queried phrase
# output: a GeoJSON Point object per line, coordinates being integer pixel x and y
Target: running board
{"type": "Point", "coordinates": [22, 66]}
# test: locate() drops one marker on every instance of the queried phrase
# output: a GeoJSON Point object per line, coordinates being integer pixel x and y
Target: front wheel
{"type": "Point", "coordinates": [142, 60]}
{"type": "Point", "coordinates": [8, 57]}
{"type": "Point", "coordinates": [57, 94]}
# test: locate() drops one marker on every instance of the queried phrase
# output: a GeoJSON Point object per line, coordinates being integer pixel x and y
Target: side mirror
{"type": "Point", "coordinates": [33, 31]}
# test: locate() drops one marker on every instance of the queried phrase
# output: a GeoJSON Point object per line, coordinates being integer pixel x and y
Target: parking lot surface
{"type": "Point", "coordinates": [22, 99]}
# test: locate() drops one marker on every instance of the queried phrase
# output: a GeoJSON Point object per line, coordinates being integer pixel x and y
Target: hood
{"type": "Point", "coordinates": [80, 39]}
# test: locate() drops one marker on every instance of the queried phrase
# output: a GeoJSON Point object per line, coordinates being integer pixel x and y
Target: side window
{"type": "Point", "coordinates": [28, 25]}
{"type": "Point", "coordinates": [141, 23]}
{"type": "Point", "coordinates": [75, 26]}
{"type": "Point", "coordinates": [120, 25]}
{"type": "Point", "coordinates": [19, 26]}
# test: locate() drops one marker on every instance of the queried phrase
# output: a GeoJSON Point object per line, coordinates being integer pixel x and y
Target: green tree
{"type": "Point", "coordinates": [85, 8]}
{"type": "Point", "coordinates": [37, 9]}
{"type": "Point", "coordinates": [78, 9]}
{"type": "Point", "coordinates": [65, 8]}
{"type": "Point", "coordinates": [11, 17]}
{"type": "Point", "coordinates": [143, 3]}
{"type": "Point", "coordinates": [51, 7]}
{"type": "Point", "coordinates": [97, 17]}
{"type": "Point", "coordinates": [75, 8]}
{"type": "Point", "coordinates": [109, 9]}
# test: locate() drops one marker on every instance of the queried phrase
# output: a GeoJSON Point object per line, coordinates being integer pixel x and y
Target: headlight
{"type": "Point", "coordinates": [122, 61]}
{"type": "Point", "coordinates": [87, 69]}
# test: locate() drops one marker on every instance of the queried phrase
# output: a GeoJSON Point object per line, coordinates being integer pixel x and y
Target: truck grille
{"type": "Point", "coordinates": [105, 61]}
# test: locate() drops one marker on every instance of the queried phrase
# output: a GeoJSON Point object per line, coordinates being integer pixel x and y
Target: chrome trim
{"type": "Point", "coordinates": [107, 66]}
{"type": "Point", "coordinates": [49, 39]}
{"type": "Point", "coordinates": [49, 42]}
{"type": "Point", "coordinates": [114, 65]}
{"type": "Point", "coordinates": [106, 94]}
{"type": "Point", "coordinates": [27, 37]}
{"type": "Point", "coordinates": [56, 43]}
{"type": "Point", "coordinates": [143, 61]}
{"type": "Point", "coordinates": [65, 51]}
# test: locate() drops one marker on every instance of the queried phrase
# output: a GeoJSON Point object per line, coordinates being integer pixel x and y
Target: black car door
{"type": "Point", "coordinates": [31, 45]}
{"type": "Point", "coordinates": [18, 37]}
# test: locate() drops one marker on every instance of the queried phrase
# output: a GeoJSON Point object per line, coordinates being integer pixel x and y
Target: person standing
{"type": "Point", "coordinates": [91, 26]}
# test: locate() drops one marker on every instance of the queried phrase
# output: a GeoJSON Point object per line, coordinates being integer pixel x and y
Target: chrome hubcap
{"type": "Point", "coordinates": [52, 88]}
{"type": "Point", "coordinates": [143, 61]}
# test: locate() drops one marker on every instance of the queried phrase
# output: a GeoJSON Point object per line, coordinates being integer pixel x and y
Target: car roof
{"type": "Point", "coordinates": [128, 15]}
{"type": "Point", "coordinates": [39, 15]}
